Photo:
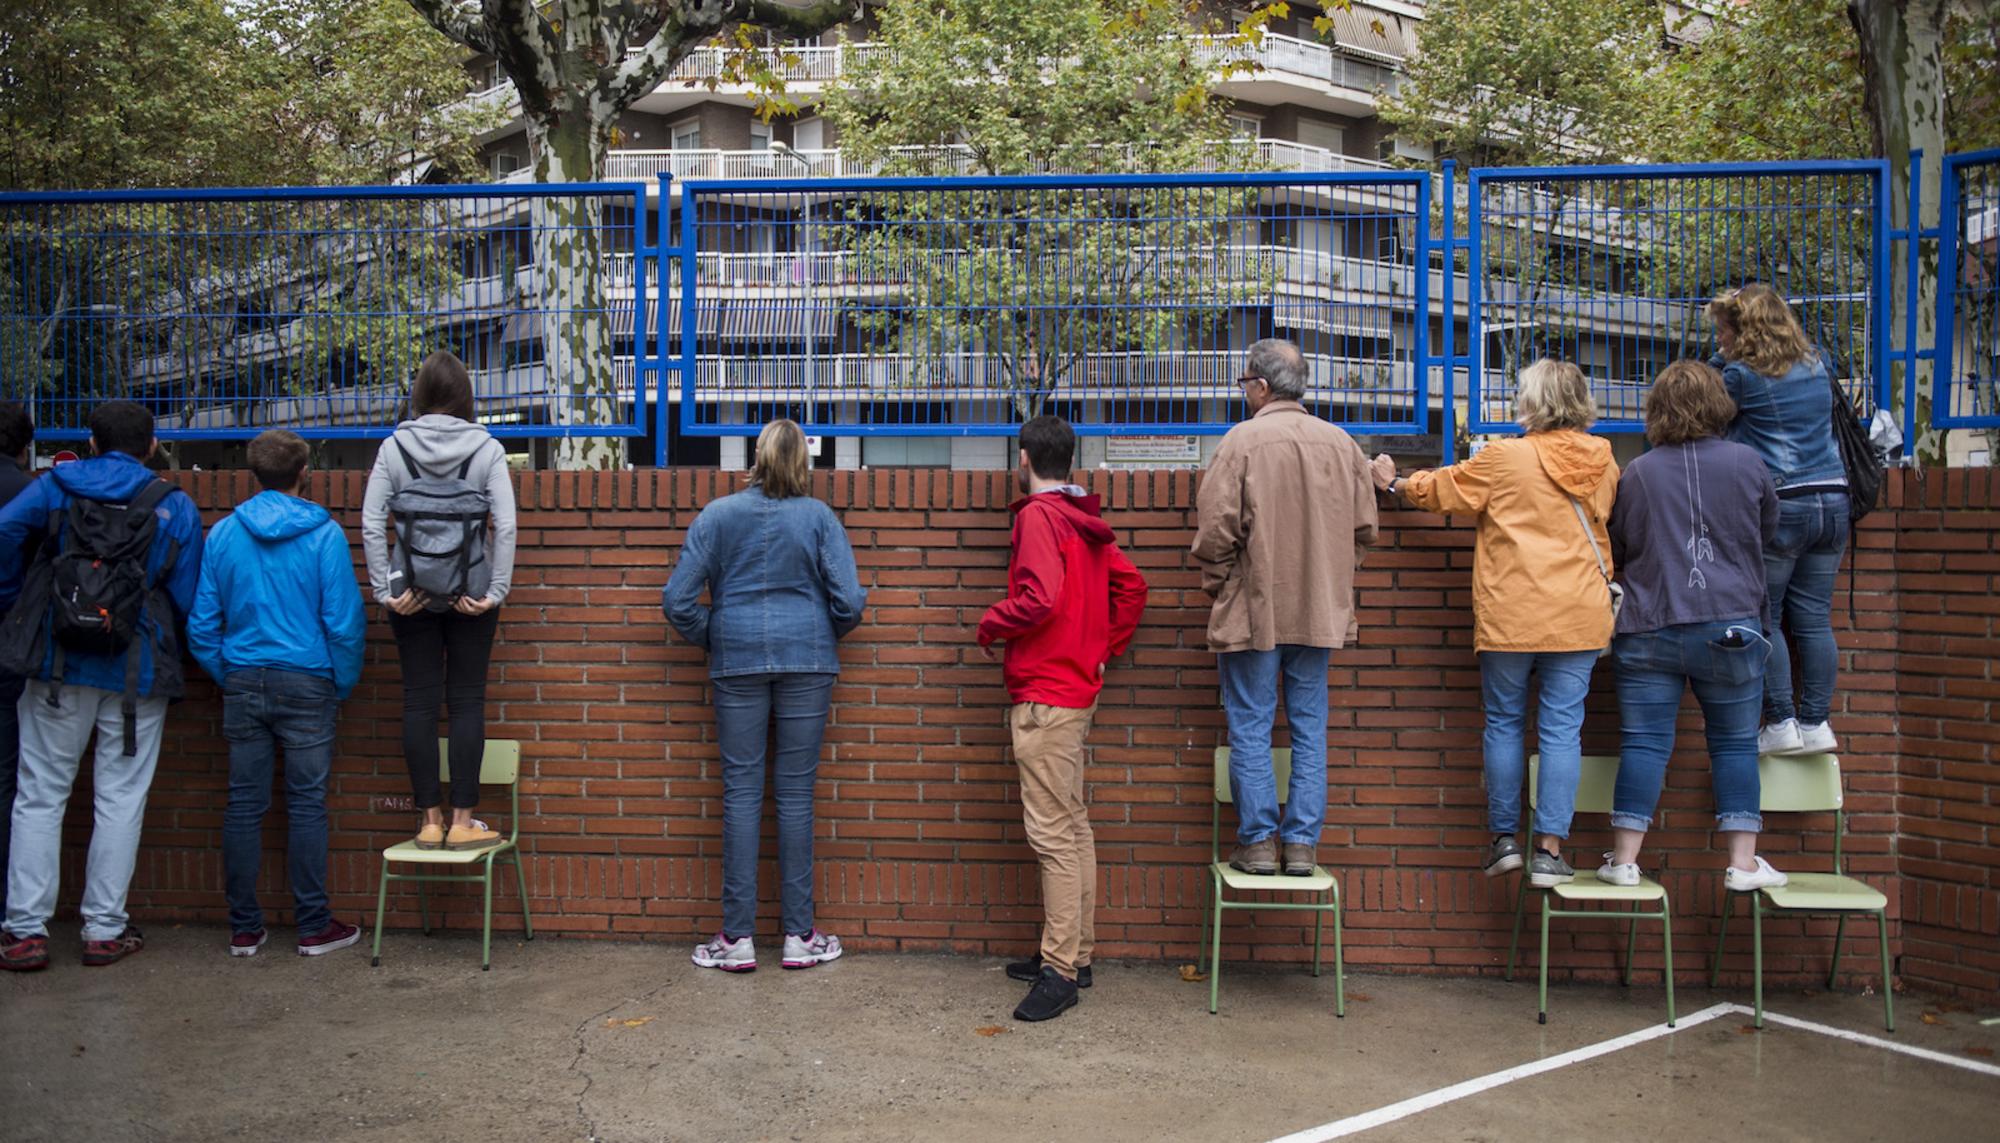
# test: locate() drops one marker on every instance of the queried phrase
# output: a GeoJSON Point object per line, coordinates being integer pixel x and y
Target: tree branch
{"type": "Point", "coordinates": [460, 24]}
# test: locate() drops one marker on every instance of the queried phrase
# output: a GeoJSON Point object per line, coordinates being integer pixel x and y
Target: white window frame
{"type": "Point", "coordinates": [685, 129]}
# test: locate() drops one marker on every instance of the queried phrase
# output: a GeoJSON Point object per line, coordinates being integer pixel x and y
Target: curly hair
{"type": "Point", "coordinates": [1768, 337]}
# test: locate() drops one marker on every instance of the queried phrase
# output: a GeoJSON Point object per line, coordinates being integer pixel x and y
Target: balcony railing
{"type": "Point", "coordinates": [1277, 154]}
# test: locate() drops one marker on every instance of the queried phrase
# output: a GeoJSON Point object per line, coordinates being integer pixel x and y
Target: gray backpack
{"type": "Point", "coordinates": [441, 532]}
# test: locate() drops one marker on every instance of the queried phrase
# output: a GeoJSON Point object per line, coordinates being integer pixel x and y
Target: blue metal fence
{"type": "Point", "coordinates": [1966, 382]}
{"type": "Point", "coordinates": [1611, 266]}
{"type": "Point", "coordinates": [230, 311]}
{"type": "Point", "coordinates": [963, 306]}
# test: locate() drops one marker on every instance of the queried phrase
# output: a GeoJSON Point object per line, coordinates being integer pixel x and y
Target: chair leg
{"type": "Point", "coordinates": [424, 906]}
{"type": "Point", "coordinates": [1631, 944]}
{"type": "Point", "coordinates": [1542, 994]}
{"type": "Point", "coordinates": [521, 880]}
{"type": "Point", "coordinates": [1319, 919]}
{"type": "Point", "coordinates": [1721, 938]}
{"type": "Point", "coordinates": [1339, 961]}
{"type": "Point", "coordinates": [1757, 954]}
{"type": "Point", "coordinates": [1833, 969]}
{"type": "Point", "coordinates": [381, 904]}
{"type": "Point", "coordinates": [1667, 948]}
{"type": "Point", "coordinates": [1514, 944]}
{"type": "Point", "coordinates": [1207, 908]}
{"type": "Point", "coordinates": [486, 926]}
{"type": "Point", "coordinates": [1215, 949]}
{"type": "Point", "coordinates": [1888, 989]}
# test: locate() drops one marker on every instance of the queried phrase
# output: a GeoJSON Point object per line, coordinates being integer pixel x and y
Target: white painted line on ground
{"type": "Point", "coordinates": [1367, 1120]}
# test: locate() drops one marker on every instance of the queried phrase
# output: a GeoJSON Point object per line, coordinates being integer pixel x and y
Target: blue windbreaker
{"type": "Point", "coordinates": [278, 590]}
{"type": "Point", "coordinates": [40, 510]}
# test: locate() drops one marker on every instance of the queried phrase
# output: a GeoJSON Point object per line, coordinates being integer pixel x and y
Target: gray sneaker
{"type": "Point", "coordinates": [1504, 857]}
{"type": "Point", "coordinates": [1546, 870]}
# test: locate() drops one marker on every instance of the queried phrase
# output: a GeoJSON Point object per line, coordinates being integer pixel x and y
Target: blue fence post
{"type": "Point", "coordinates": [1449, 396]}
{"type": "Point", "coordinates": [1913, 228]}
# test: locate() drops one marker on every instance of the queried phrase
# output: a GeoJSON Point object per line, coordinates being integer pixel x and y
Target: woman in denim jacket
{"type": "Point", "coordinates": [1693, 520]}
{"type": "Point", "coordinates": [781, 577]}
{"type": "Point", "coordinates": [1778, 380]}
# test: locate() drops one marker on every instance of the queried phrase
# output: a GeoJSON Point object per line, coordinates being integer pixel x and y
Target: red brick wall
{"type": "Point", "coordinates": [919, 837]}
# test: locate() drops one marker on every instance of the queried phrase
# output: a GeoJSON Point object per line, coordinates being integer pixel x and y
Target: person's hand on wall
{"type": "Point", "coordinates": [990, 652]}
{"type": "Point", "coordinates": [1383, 469]}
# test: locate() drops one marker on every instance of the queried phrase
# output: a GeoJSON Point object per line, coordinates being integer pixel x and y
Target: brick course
{"type": "Point", "coordinates": [920, 843]}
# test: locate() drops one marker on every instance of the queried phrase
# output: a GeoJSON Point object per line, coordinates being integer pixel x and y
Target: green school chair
{"type": "Point", "coordinates": [501, 766]}
{"type": "Point", "coordinates": [1593, 796]}
{"type": "Point", "coordinates": [1808, 784]}
{"type": "Point", "coordinates": [1324, 887]}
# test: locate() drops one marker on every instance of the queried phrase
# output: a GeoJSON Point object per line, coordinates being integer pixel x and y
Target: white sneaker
{"type": "Point", "coordinates": [811, 949]}
{"type": "Point", "coordinates": [738, 955]}
{"type": "Point", "coordinates": [1780, 738]}
{"type": "Point", "coordinates": [1751, 880]}
{"type": "Point", "coordinates": [1817, 739]}
{"type": "Point", "coordinates": [1614, 874]}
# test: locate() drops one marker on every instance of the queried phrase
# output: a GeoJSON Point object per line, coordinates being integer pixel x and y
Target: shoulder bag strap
{"type": "Point", "coordinates": [1603, 569]}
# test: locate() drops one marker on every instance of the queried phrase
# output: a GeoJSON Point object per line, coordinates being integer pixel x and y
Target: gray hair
{"type": "Point", "coordinates": [1282, 366]}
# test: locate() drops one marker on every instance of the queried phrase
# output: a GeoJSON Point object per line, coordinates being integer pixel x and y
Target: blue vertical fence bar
{"type": "Point", "coordinates": [231, 311]}
{"type": "Point", "coordinates": [1965, 390]}
{"type": "Point", "coordinates": [899, 306]}
{"type": "Point", "coordinates": [1612, 266]}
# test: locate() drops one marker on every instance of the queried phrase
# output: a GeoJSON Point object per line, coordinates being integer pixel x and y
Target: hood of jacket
{"type": "Point", "coordinates": [1577, 462]}
{"type": "Point", "coordinates": [1080, 511]}
{"type": "Point", "coordinates": [439, 441]}
{"type": "Point", "coordinates": [278, 516]}
{"type": "Point", "coordinates": [114, 477]}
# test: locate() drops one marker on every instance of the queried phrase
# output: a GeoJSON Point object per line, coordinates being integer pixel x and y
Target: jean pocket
{"type": "Point", "coordinates": [1739, 664]}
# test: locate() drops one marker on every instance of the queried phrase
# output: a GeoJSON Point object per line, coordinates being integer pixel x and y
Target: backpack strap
{"type": "Point", "coordinates": [467, 466]}
{"type": "Point", "coordinates": [409, 462]}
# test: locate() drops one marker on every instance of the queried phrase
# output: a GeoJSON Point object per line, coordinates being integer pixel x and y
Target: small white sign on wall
{"type": "Point", "coordinates": [1152, 452]}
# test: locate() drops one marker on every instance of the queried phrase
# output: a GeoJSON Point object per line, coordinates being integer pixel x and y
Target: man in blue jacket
{"type": "Point", "coordinates": [17, 432]}
{"type": "Point", "coordinates": [75, 692]}
{"type": "Point", "coordinates": [278, 622]}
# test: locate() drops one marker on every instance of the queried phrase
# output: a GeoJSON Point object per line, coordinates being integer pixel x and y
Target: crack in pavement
{"type": "Point", "coordinates": [583, 1049]}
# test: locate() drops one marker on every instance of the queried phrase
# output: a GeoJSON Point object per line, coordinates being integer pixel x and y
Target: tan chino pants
{"type": "Point", "coordinates": [1048, 747]}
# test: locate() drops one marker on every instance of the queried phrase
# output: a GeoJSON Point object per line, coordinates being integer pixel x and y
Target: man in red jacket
{"type": "Point", "coordinates": [1073, 602]}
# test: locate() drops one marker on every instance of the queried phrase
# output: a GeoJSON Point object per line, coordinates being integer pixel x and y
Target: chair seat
{"type": "Point", "coordinates": [1319, 882]}
{"type": "Point", "coordinates": [1827, 891]}
{"type": "Point", "coordinates": [1587, 887]}
{"type": "Point", "coordinates": [408, 851]}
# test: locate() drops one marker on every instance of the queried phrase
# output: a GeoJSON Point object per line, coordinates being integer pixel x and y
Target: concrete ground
{"type": "Point", "coordinates": [572, 1040]}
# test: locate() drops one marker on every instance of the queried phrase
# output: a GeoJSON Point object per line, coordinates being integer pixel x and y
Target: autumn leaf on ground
{"type": "Point", "coordinates": [1985, 1052]}
{"type": "Point", "coordinates": [1746, 1030]}
{"type": "Point", "coordinates": [1192, 975]}
{"type": "Point", "coordinates": [990, 1030]}
{"type": "Point", "coordinates": [1363, 997]}
{"type": "Point", "coordinates": [634, 1022]}
{"type": "Point", "coordinates": [1933, 1018]}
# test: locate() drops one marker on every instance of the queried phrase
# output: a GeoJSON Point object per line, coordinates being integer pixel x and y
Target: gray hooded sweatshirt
{"type": "Point", "coordinates": [439, 443]}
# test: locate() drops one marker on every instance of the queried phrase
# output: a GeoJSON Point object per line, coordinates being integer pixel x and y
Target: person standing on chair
{"type": "Point", "coordinates": [1541, 598]}
{"type": "Point", "coordinates": [1784, 410]}
{"type": "Point", "coordinates": [1287, 511]}
{"type": "Point", "coordinates": [783, 591]}
{"type": "Point", "coordinates": [444, 483]}
{"type": "Point", "coordinates": [278, 624]}
{"type": "Point", "coordinates": [1694, 517]}
{"type": "Point", "coordinates": [17, 432]}
{"type": "Point", "coordinates": [95, 627]}
{"type": "Point", "coordinates": [1073, 603]}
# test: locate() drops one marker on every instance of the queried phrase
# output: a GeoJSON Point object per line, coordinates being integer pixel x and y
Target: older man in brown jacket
{"type": "Point", "coordinates": [1287, 508]}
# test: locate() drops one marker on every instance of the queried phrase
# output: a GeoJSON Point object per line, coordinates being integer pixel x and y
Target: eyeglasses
{"type": "Point", "coordinates": [1249, 377]}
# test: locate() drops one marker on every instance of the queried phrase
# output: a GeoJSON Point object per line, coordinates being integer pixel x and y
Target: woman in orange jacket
{"type": "Point", "coordinates": [1541, 597]}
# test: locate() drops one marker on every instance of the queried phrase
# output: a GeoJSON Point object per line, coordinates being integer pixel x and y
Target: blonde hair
{"type": "Point", "coordinates": [1687, 402]}
{"type": "Point", "coordinates": [1553, 395]}
{"type": "Point", "coordinates": [783, 469]}
{"type": "Point", "coordinates": [1768, 337]}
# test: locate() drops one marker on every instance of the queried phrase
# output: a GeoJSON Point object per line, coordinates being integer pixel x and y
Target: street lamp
{"type": "Point", "coordinates": [784, 151]}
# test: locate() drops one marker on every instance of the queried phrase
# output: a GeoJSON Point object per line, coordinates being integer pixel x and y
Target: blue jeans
{"type": "Point", "coordinates": [264, 708]}
{"type": "Point", "coordinates": [1250, 682]}
{"type": "Point", "coordinates": [11, 687]}
{"type": "Point", "coordinates": [1799, 569]}
{"type": "Point", "coordinates": [748, 708]}
{"type": "Point", "coordinates": [1654, 668]}
{"type": "Point", "coordinates": [1503, 686]}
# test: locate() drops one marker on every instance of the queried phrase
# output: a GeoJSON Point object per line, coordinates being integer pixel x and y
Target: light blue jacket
{"type": "Point", "coordinates": [278, 590]}
{"type": "Point", "coordinates": [1788, 420]}
{"type": "Point", "coordinates": [782, 582]}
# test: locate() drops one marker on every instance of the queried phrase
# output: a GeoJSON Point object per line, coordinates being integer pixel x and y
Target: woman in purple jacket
{"type": "Point", "coordinates": [1688, 533]}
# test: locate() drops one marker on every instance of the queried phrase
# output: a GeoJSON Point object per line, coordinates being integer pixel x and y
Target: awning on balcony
{"type": "Point", "coordinates": [1370, 322]}
{"type": "Point", "coordinates": [760, 320]}
{"type": "Point", "coordinates": [1370, 30]}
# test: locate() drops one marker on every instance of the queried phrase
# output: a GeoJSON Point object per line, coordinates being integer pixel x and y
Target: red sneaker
{"type": "Point", "coordinates": [337, 935]}
{"type": "Point", "coordinates": [97, 954]}
{"type": "Point", "coordinates": [23, 954]}
{"type": "Point", "coordinates": [247, 944]}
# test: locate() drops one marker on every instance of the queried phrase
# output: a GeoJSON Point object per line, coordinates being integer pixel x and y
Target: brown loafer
{"type": "Point", "coordinates": [1259, 857]}
{"type": "Point", "coordinates": [1300, 860]}
{"type": "Point", "coordinates": [474, 836]}
{"type": "Point", "coordinates": [430, 837]}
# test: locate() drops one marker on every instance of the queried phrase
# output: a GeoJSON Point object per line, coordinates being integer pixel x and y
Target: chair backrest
{"type": "Point", "coordinates": [501, 765]}
{"type": "Point", "coordinates": [1595, 785]}
{"type": "Point", "coordinates": [1800, 783]}
{"type": "Point", "coordinates": [1281, 773]}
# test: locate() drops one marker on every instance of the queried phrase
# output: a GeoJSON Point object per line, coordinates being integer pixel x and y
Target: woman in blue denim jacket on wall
{"type": "Point", "coordinates": [1778, 380]}
{"type": "Point", "coordinates": [1694, 518]}
{"type": "Point", "coordinates": [783, 588]}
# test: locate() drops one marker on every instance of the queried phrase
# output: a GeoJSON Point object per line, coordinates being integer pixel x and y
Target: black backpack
{"type": "Point", "coordinates": [88, 594]}
{"type": "Point", "coordinates": [1863, 464]}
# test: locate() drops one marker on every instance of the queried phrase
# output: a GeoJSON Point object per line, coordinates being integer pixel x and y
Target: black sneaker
{"type": "Point", "coordinates": [1504, 857]}
{"type": "Point", "coordinates": [1049, 998]}
{"type": "Point", "coordinates": [1546, 870]}
{"type": "Point", "coordinates": [1031, 970]}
